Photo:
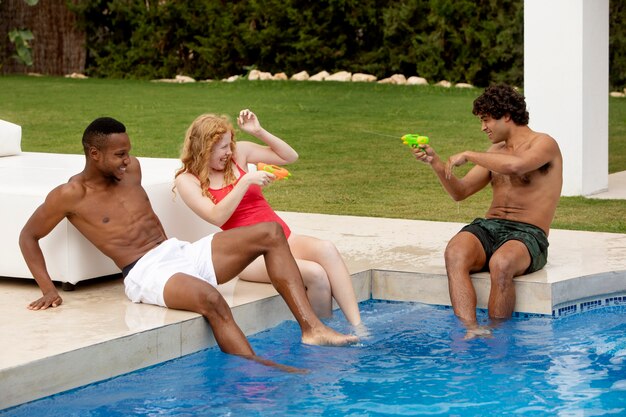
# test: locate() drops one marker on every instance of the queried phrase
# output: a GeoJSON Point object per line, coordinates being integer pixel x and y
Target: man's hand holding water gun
{"type": "Point", "coordinates": [420, 147]}
{"type": "Point", "coordinates": [422, 151]}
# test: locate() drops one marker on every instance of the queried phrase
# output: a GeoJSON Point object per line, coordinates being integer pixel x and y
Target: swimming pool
{"type": "Point", "coordinates": [414, 362]}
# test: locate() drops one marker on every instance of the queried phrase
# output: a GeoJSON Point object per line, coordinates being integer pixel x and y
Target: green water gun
{"type": "Point", "coordinates": [414, 140]}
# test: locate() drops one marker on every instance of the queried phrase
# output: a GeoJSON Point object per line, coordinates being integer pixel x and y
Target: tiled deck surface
{"type": "Point", "coordinates": [97, 333]}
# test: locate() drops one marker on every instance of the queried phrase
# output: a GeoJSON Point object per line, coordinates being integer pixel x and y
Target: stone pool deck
{"type": "Point", "coordinates": [97, 333]}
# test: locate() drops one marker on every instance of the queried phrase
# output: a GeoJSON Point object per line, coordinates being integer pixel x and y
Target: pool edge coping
{"type": "Point", "coordinates": [65, 371]}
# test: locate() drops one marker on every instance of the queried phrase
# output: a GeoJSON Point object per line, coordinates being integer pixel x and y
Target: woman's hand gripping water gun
{"type": "Point", "coordinates": [279, 172]}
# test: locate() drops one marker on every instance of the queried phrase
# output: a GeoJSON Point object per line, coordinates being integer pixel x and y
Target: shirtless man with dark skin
{"type": "Point", "coordinates": [108, 205]}
{"type": "Point", "coordinates": [524, 169]}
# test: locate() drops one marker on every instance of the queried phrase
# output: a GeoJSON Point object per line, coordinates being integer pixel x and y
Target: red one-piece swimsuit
{"type": "Point", "coordinates": [252, 209]}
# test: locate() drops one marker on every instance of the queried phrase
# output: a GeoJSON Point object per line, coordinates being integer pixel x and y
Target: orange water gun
{"type": "Point", "coordinates": [280, 172]}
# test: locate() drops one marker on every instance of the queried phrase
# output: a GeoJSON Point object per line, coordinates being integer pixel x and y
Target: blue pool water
{"type": "Point", "coordinates": [414, 362]}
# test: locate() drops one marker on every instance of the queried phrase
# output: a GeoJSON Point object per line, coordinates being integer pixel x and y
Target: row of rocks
{"type": "Point", "coordinates": [341, 76]}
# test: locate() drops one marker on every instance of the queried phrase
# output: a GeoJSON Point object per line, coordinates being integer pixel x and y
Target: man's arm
{"type": "Point", "coordinates": [458, 188]}
{"type": "Point", "coordinates": [541, 151]}
{"type": "Point", "coordinates": [39, 225]}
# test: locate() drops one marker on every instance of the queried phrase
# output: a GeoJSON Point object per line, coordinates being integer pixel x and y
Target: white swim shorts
{"type": "Point", "coordinates": [146, 280]}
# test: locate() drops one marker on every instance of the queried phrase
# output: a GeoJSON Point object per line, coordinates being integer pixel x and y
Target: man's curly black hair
{"type": "Point", "coordinates": [96, 133]}
{"type": "Point", "coordinates": [500, 100]}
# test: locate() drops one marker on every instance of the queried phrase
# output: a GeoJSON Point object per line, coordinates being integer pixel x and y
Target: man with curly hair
{"type": "Point", "coordinates": [524, 169]}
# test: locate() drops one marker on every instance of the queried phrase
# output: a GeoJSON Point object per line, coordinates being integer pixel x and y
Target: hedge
{"type": "Point", "coordinates": [477, 42]}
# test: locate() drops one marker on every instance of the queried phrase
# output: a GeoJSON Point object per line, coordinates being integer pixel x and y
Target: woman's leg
{"type": "Point", "coordinates": [316, 282]}
{"type": "Point", "coordinates": [235, 249]}
{"type": "Point", "coordinates": [325, 254]}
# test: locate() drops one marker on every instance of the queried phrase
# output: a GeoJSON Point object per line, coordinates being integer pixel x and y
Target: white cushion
{"type": "Point", "coordinates": [10, 138]}
{"type": "Point", "coordinates": [27, 178]}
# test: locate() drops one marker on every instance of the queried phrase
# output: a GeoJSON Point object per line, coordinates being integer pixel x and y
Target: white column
{"type": "Point", "coordinates": [566, 84]}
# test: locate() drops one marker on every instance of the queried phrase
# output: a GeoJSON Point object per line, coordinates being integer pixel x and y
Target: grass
{"type": "Point", "coordinates": [347, 134]}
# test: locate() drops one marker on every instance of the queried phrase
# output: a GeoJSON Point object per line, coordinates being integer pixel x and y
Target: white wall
{"type": "Point", "coordinates": [566, 84]}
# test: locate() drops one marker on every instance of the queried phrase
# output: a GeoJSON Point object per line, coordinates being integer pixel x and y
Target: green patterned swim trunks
{"type": "Point", "coordinates": [493, 233]}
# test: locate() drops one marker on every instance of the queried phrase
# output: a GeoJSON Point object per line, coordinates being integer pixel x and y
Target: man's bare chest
{"type": "Point", "coordinates": [100, 208]}
{"type": "Point", "coordinates": [527, 180]}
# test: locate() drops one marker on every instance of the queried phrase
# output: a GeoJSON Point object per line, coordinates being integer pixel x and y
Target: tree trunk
{"type": "Point", "coordinates": [58, 47]}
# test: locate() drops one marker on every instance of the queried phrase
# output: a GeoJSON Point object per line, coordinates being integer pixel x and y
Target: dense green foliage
{"type": "Point", "coordinates": [351, 161]}
{"type": "Point", "coordinates": [475, 41]}
{"type": "Point", "coordinates": [617, 44]}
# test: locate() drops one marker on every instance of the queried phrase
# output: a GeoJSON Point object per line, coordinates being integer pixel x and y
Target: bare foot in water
{"type": "Point", "coordinates": [325, 336]}
{"type": "Point", "coordinates": [280, 366]}
{"type": "Point", "coordinates": [478, 331]}
{"type": "Point", "coordinates": [362, 332]}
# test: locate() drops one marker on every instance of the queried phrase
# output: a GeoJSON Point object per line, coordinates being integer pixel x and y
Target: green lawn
{"type": "Point", "coordinates": [347, 134]}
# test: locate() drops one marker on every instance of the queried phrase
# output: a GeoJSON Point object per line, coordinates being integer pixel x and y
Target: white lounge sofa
{"type": "Point", "coordinates": [25, 180]}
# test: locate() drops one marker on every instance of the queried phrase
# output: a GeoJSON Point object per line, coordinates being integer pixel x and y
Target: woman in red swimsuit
{"type": "Point", "coordinates": [215, 184]}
